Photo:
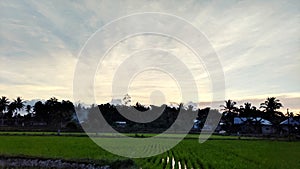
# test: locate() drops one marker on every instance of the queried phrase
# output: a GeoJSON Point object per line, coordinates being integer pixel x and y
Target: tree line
{"type": "Point", "coordinates": [62, 114]}
{"type": "Point", "coordinates": [251, 115]}
{"type": "Point", "coordinates": [51, 113]}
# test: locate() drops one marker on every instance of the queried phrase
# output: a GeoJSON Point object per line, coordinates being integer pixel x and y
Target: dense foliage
{"type": "Point", "coordinates": [64, 115]}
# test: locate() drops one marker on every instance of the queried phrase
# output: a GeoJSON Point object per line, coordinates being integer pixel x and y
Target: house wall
{"type": "Point", "coordinates": [268, 130]}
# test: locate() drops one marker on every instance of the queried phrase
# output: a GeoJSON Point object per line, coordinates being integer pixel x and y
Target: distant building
{"type": "Point", "coordinates": [252, 125]}
{"type": "Point", "coordinates": [121, 124]}
{"type": "Point", "coordinates": [291, 121]}
{"type": "Point", "coordinates": [290, 125]}
{"type": "Point", "coordinates": [196, 125]}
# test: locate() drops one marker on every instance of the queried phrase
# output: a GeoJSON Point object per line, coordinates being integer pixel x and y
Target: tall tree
{"type": "Point", "coordinates": [3, 107]}
{"type": "Point", "coordinates": [19, 103]}
{"type": "Point", "coordinates": [229, 108]}
{"type": "Point", "coordinates": [40, 111]}
{"type": "Point", "coordinates": [250, 116]}
{"type": "Point", "coordinates": [127, 100]}
{"type": "Point", "coordinates": [248, 110]}
{"type": "Point", "coordinates": [271, 104]}
{"type": "Point", "coordinates": [53, 109]}
{"type": "Point", "coordinates": [67, 111]}
{"type": "Point", "coordinates": [229, 112]}
{"type": "Point", "coordinates": [10, 111]}
{"type": "Point", "coordinates": [270, 107]}
{"type": "Point", "coordinates": [28, 109]}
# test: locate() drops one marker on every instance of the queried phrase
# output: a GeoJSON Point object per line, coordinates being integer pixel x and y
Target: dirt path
{"type": "Point", "coordinates": [19, 162]}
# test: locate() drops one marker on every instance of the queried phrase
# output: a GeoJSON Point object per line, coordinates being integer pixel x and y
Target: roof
{"type": "Point", "coordinates": [241, 120]}
{"type": "Point", "coordinates": [120, 122]}
{"type": "Point", "coordinates": [291, 122]}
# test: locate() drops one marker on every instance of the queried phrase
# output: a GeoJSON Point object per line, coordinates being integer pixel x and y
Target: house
{"type": "Point", "coordinates": [254, 125]}
{"type": "Point", "coordinates": [196, 125]}
{"type": "Point", "coordinates": [204, 127]}
{"type": "Point", "coordinates": [290, 125]}
{"type": "Point", "coordinates": [291, 121]}
{"type": "Point", "coordinates": [121, 124]}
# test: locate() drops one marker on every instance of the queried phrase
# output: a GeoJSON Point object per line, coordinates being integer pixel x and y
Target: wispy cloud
{"type": "Point", "coordinates": [257, 43]}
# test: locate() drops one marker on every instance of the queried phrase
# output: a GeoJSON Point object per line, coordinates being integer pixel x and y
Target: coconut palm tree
{"type": "Point", "coordinates": [11, 108]}
{"type": "Point", "coordinates": [28, 109]}
{"type": "Point", "coordinates": [269, 107]}
{"type": "Point", "coordinates": [229, 107]}
{"type": "Point", "coordinates": [229, 112]}
{"type": "Point", "coordinates": [247, 110]}
{"type": "Point", "coordinates": [18, 105]}
{"type": "Point", "coordinates": [250, 116]}
{"type": "Point", "coordinates": [3, 107]}
{"type": "Point", "coordinates": [271, 104]}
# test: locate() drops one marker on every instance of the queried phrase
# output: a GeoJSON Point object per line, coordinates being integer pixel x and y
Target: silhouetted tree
{"type": "Point", "coordinates": [81, 113]}
{"type": "Point", "coordinates": [28, 109]}
{"type": "Point", "coordinates": [127, 100]}
{"type": "Point", "coordinates": [251, 117]}
{"type": "Point", "coordinates": [19, 103]}
{"type": "Point", "coordinates": [270, 106]}
{"type": "Point", "coordinates": [3, 107]}
{"type": "Point", "coordinates": [140, 107]}
{"type": "Point", "coordinates": [93, 124]}
{"type": "Point", "coordinates": [10, 111]}
{"type": "Point", "coordinates": [52, 107]}
{"type": "Point", "coordinates": [40, 111]}
{"type": "Point", "coordinates": [248, 111]}
{"type": "Point", "coordinates": [28, 116]}
{"type": "Point", "coordinates": [202, 116]}
{"type": "Point", "coordinates": [67, 111]}
{"type": "Point", "coordinates": [229, 112]}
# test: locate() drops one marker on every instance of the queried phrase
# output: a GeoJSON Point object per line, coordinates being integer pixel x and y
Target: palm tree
{"type": "Point", "coordinates": [250, 116]}
{"type": "Point", "coordinates": [271, 104]}
{"type": "Point", "coordinates": [247, 110]}
{"type": "Point", "coordinates": [229, 106]}
{"type": "Point", "coordinates": [41, 113]}
{"type": "Point", "coordinates": [11, 108]}
{"type": "Point", "coordinates": [3, 106]}
{"type": "Point", "coordinates": [229, 112]}
{"type": "Point", "coordinates": [53, 109]}
{"type": "Point", "coordinates": [19, 105]}
{"type": "Point", "coordinates": [28, 109]}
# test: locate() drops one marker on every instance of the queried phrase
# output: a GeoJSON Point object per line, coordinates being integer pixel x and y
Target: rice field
{"type": "Point", "coordinates": [229, 152]}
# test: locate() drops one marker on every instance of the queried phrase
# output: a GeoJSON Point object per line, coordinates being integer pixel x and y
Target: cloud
{"type": "Point", "coordinates": [257, 43]}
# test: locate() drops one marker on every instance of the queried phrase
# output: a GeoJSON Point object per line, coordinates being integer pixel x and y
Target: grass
{"type": "Point", "coordinates": [231, 154]}
{"type": "Point", "coordinates": [216, 153]}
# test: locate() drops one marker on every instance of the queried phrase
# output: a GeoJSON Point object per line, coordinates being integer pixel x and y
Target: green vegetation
{"type": "Point", "coordinates": [229, 152]}
{"type": "Point", "coordinates": [54, 115]}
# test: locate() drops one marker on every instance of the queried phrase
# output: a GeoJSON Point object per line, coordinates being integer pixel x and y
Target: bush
{"type": "Point", "coordinates": [72, 126]}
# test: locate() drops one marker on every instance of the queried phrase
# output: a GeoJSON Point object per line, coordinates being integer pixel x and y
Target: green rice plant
{"type": "Point", "coordinates": [215, 153]}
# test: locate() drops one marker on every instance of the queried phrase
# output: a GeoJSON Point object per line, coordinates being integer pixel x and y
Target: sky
{"type": "Point", "coordinates": [257, 44]}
